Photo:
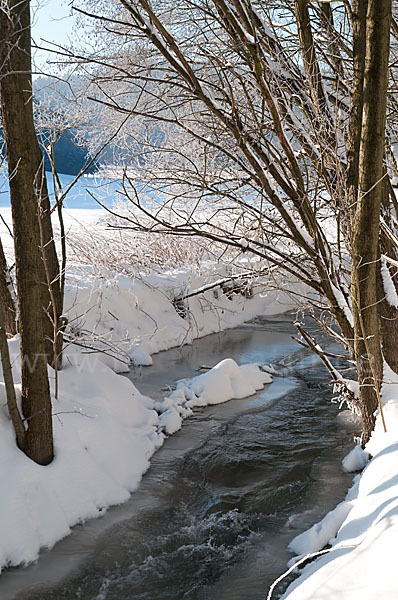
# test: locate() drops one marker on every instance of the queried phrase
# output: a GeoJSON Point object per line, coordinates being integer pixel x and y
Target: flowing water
{"type": "Point", "coordinates": [213, 516]}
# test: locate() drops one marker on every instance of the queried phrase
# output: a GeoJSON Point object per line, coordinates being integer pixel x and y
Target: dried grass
{"type": "Point", "coordinates": [129, 251]}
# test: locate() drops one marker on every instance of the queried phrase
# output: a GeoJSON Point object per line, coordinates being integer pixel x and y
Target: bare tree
{"type": "Point", "coordinates": [373, 56]}
{"type": "Point", "coordinates": [247, 129]}
{"type": "Point", "coordinates": [29, 203]}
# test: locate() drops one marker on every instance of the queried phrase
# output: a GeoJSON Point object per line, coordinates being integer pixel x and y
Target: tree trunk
{"type": "Point", "coordinates": [24, 160]}
{"type": "Point", "coordinates": [355, 125]}
{"type": "Point", "coordinates": [52, 298]}
{"type": "Point", "coordinates": [25, 106]}
{"type": "Point", "coordinates": [388, 316]}
{"type": "Point", "coordinates": [7, 304]}
{"type": "Point", "coordinates": [309, 58]}
{"type": "Point", "coordinates": [10, 389]}
{"type": "Point", "coordinates": [387, 284]}
{"type": "Point", "coordinates": [366, 213]}
{"type": "Point", "coordinates": [328, 23]}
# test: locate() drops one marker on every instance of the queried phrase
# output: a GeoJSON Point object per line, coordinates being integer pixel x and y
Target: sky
{"type": "Point", "coordinates": [51, 21]}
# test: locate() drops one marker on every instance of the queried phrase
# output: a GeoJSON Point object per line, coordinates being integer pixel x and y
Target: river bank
{"type": "Point", "coordinates": [101, 418]}
{"type": "Point", "coordinates": [362, 531]}
{"type": "Point", "coordinates": [213, 516]}
{"type": "Point", "coordinates": [105, 430]}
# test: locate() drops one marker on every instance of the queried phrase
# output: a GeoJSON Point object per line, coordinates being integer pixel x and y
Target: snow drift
{"type": "Point", "coordinates": [105, 433]}
{"type": "Point", "coordinates": [362, 530]}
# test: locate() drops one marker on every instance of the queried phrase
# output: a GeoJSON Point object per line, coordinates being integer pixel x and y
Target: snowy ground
{"type": "Point", "coordinates": [363, 529]}
{"type": "Point", "coordinates": [105, 431]}
{"type": "Point", "coordinates": [132, 315]}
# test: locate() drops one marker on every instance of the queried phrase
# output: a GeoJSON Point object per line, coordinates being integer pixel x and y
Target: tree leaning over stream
{"type": "Point", "coordinates": [272, 116]}
{"type": "Point", "coordinates": [39, 297]}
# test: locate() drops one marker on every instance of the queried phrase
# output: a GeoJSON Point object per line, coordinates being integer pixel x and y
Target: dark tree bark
{"type": "Point", "coordinates": [10, 389]}
{"type": "Point", "coordinates": [386, 307]}
{"type": "Point", "coordinates": [366, 213]}
{"type": "Point", "coordinates": [388, 319]}
{"type": "Point", "coordinates": [52, 290]}
{"type": "Point", "coordinates": [7, 304]}
{"type": "Point", "coordinates": [26, 191]}
{"type": "Point", "coordinates": [20, 60]}
{"type": "Point", "coordinates": [309, 57]}
{"type": "Point", "coordinates": [355, 126]}
{"type": "Point", "coordinates": [328, 23]}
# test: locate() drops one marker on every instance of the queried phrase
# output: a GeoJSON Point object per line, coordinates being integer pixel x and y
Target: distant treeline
{"type": "Point", "coordinates": [69, 158]}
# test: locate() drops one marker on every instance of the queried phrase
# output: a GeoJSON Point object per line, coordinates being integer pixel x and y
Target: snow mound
{"type": "Point", "coordinates": [104, 436]}
{"type": "Point", "coordinates": [223, 382]}
{"type": "Point", "coordinates": [355, 460]}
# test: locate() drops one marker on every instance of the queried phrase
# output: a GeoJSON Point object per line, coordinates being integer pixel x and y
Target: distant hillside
{"type": "Point", "coordinates": [53, 100]}
{"type": "Point", "coordinates": [69, 158]}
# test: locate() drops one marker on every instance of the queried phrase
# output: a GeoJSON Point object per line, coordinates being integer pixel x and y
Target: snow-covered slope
{"type": "Point", "coordinates": [138, 317]}
{"type": "Point", "coordinates": [105, 433]}
{"type": "Point", "coordinates": [362, 530]}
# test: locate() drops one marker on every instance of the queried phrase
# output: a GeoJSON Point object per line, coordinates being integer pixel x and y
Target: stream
{"type": "Point", "coordinates": [212, 518]}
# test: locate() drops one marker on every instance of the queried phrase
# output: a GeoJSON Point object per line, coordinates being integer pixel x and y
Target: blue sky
{"type": "Point", "coordinates": [52, 21]}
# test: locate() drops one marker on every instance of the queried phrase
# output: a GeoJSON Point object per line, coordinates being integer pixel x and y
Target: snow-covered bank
{"type": "Point", "coordinates": [105, 433]}
{"type": "Point", "coordinates": [105, 430]}
{"type": "Point", "coordinates": [137, 316]}
{"type": "Point", "coordinates": [362, 530]}
{"type": "Point", "coordinates": [118, 299]}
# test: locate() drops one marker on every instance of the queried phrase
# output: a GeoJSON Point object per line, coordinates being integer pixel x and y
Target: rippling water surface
{"type": "Point", "coordinates": [214, 514]}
